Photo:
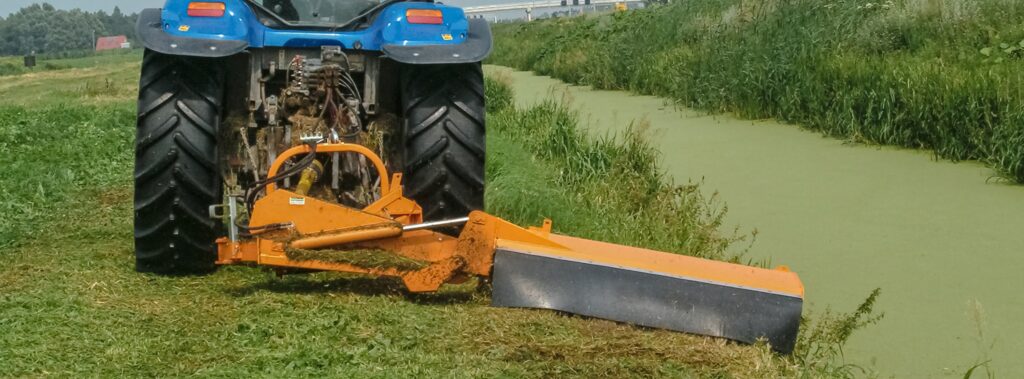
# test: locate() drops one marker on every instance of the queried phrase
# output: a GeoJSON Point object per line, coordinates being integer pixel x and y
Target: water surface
{"type": "Point", "coordinates": [945, 243]}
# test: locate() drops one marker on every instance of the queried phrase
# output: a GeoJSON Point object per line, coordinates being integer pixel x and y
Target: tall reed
{"type": "Point", "coordinates": [944, 75]}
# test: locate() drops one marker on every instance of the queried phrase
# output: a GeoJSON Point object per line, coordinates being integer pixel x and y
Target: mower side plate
{"type": "Point", "coordinates": [641, 296]}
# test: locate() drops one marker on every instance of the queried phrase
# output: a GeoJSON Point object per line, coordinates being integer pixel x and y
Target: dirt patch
{"type": "Point", "coordinates": [112, 197]}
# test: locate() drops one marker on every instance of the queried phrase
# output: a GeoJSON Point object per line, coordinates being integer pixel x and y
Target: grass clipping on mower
{"type": "Point", "coordinates": [363, 258]}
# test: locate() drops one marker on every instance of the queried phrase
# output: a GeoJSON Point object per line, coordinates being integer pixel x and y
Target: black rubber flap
{"type": "Point", "coordinates": [476, 47]}
{"type": "Point", "coordinates": [523, 280]}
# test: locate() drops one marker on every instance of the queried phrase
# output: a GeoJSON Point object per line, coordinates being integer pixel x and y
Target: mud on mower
{"type": "Point", "coordinates": [349, 135]}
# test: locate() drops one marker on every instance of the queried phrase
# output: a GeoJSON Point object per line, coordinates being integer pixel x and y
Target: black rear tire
{"type": "Point", "coordinates": [445, 139]}
{"type": "Point", "coordinates": [176, 176]}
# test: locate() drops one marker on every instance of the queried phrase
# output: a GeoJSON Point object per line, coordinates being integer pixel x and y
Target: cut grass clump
{"type": "Point", "coordinates": [938, 74]}
{"type": "Point", "coordinates": [363, 258]}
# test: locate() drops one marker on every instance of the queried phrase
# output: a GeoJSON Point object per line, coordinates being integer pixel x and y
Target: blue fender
{"type": "Point", "coordinates": [456, 40]}
{"type": "Point", "coordinates": [151, 31]}
{"type": "Point", "coordinates": [476, 47]}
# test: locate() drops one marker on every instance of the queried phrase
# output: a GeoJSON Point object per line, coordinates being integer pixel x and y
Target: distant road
{"type": "Point", "coordinates": [480, 9]}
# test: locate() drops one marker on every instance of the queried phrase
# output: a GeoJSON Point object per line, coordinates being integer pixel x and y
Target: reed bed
{"type": "Point", "coordinates": [943, 75]}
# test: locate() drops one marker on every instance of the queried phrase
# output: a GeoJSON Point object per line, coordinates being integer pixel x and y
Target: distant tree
{"type": "Point", "coordinates": [45, 29]}
{"type": "Point", "coordinates": [118, 23]}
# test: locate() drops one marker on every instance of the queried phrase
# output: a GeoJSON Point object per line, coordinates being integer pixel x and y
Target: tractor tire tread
{"type": "Point", "coordinates": [143, 142]}
{"type": "Point", "coordinates": [176, 174]}
{"type": "Point", "coordinates": [445, 138]}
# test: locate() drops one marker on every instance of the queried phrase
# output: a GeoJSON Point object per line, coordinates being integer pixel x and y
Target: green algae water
{"type": "Point", "coordinates": [943, 240]}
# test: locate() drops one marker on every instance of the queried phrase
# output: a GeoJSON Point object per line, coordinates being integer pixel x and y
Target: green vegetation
{"type": "Point", "coordinates": [15, 65]}
{"type": "Point", "coordinates": [60, 33]}
{"type": "Point", "coordinates": [935, 74]}
{"type": "Point", "coordinates": [71, 304]}
{"type": "Point", "coordinates": [62, 132]}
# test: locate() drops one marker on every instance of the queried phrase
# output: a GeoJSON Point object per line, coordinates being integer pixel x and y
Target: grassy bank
{"type": "Point", "coordinates": [71, 304]}
{"type": "Point", "coordinates": [935, 74]}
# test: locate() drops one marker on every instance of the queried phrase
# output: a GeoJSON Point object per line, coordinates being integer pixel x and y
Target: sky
{"type": "Point", "coordinates": [128, 6]}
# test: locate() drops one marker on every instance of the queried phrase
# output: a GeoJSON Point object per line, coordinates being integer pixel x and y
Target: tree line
{"type": "Point", "coordinates": [43, 29]}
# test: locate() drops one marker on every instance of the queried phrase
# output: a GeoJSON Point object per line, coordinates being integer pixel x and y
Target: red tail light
{"type": "Point", "coordinates": [424, 16]}
{"type": "Point", "coordinates": [206, 9]}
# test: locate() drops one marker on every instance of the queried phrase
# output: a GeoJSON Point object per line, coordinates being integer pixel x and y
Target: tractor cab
{"type": "Point", "coordinates": [327, 13]}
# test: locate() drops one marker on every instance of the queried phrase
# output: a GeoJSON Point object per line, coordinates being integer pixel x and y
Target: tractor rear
{"type": "Point", "coordinates": [349, 135]}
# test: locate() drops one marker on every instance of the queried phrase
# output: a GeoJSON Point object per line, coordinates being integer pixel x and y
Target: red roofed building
{"type": "Point", "coordinates": [112, 43]}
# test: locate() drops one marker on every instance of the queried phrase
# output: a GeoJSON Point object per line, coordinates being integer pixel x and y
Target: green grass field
{"type": "Point", "coordinates": [942, 75]}
{"type": "Point", "coordinates": [16, 65]}
{"type": "Point", "coordinates": [72, 305]}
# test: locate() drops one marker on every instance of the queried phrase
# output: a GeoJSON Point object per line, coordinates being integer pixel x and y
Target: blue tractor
{"type": "Point", "coordinates": [227, 86]}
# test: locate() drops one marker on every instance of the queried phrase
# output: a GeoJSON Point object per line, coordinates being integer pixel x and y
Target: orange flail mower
{"type": "Point", "coordinates": [529, 267]}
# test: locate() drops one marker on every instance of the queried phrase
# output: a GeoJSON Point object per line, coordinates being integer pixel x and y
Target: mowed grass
{"type": "Point", "coordinates": [71, 304]}
{"type": "Point", "coordinates": [16, 65]}
{"type": "Point", "coordinates": [109, 84]}
{"type": "Point", "coordinates": [942, 75]}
